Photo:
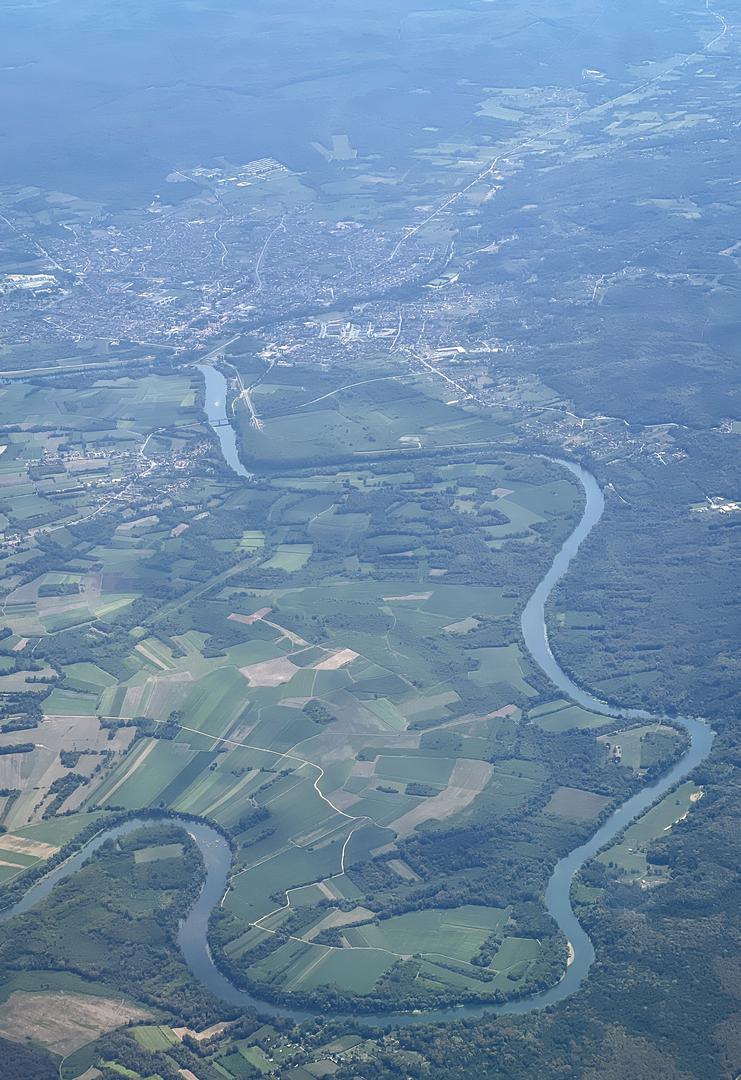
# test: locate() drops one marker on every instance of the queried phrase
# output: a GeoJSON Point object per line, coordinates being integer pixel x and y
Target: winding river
{"type": "Point", "coordinates": [192, 936]}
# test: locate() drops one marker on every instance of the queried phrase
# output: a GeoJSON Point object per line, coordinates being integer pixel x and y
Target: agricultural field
{"type": "Point", "coordinates": [63, 1021]}
{"type": "Point", "coordinates": [627, 858]}
{"type": "Point", "coordinates": [642, 746]}
{"type": "Point", "coordinates": [241, 1049]}
{"type": "Point", "coordinates": [409, 260]}
{"type": "Point", "coordinates": [361, 420]}
{"type": "Point", "coordinates": [575, 804]}
{"type": "Point", "coordinates": [326, 662]}
{"type": "Point", "coordinates": [561, 715]}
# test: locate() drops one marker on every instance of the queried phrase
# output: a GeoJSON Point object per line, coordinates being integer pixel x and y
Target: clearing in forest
{"type": "Point", "coordinates": [61, 1021]}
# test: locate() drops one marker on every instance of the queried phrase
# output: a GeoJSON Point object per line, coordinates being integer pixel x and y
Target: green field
{"type": "Point", "coordinates": [155, 1038]}
{"type": "Point", "coordinates": [575, 804]}
{"type": "Point", "coordinates": [643, 745]}
{"type": "Point", "coordinates": [158, 851]}
{"type": "Point", "coordinates": [456, 933]}
{"type": "Point", "coordinates": [628, 856]}
{"type": "Point", "coordinates": [327, 663]}
{"type": "Point", "coordinates": [561, 715]}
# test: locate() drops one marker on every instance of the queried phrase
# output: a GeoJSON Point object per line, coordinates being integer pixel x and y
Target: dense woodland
{"type": "Point", "coordinates": [653, 583]}
{"type": "Point", "coordinates": [26, 1062]}
{"type": "Point", "coordinates": [115, 922]}
{"type": "Point", "coordinates": [662, 1000]}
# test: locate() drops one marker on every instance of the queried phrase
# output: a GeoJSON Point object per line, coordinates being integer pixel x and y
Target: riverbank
{"type": "Point", "coordinates": [192, 936]}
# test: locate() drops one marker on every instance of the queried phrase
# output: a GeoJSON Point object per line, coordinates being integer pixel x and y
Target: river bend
{"type": "Point", "coordinates": [192, 936]}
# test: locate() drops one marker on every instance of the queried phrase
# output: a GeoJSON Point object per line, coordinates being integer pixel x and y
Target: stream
{"type": "Point", "coordinates": [192, 936]}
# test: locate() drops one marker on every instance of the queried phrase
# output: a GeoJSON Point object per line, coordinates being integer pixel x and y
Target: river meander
{"type": "Point", "coordinates": [192, 936]}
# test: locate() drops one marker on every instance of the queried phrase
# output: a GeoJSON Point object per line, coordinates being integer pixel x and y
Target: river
{"type": "Point", "coordinates": [192, 936]}
{"type": "Point", "coordinates": [215, 403]}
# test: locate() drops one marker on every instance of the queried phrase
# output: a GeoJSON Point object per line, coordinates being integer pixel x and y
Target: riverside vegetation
{"type": "Point", "coordinates": [391, 769]}
{"type": "Point", "coordinates": [424, 247]}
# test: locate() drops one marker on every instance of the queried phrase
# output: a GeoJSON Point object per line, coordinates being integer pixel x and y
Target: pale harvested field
{"type": "Point", "coordinates": [270, 672]}
{"type": "Point", "coordinates": [149, 655]}
{"type": "Point", "coordinates": [328, 889]}
{"type": "Point", "coordinates": [85, 791]}
{"type": "Point", "coordinates": [467, 780]}
{"type": "Point", "coordinates": [363, 768]}
{"type": "Point", "coordinates": [336, 660]}
{"type": "Point", "coordinates": [61, 605]}
{"type": "Point", "coordinates": [248, 620]}
{"type": "Point", "coordinates": [20, 645]}
{"type": "Point", "coordinates": [23, 846]}
{"type": "Point", "coordinates": [410, 596]}
{"type": "Point", "coordinates": [462, 626]}
{"type": "Point", "coordinates": [26, 594]}
{"type": "Point", "coordinates": [207, 1033]}
{"type": "Point", "coordinates": [339, 918]}
{"type": "Point", "coordinates": [127, 526]}
{"type": "Point", "coordinates": [132, 701]}
{"type": "Point", "coordinates": [62, 1021]}
{"type": "Point", "coordinates": [26, 847]}
{"type": "Point", "coordinates": [400, 867]}
{"type": "Point", "coordinates": [35, 774]}
{"type": "Point", "coordinates": [345, 800]}
{"type": "Point", "coordinates": [167, 692]}
{"type": "Point", "coordinates": [17, 681]}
